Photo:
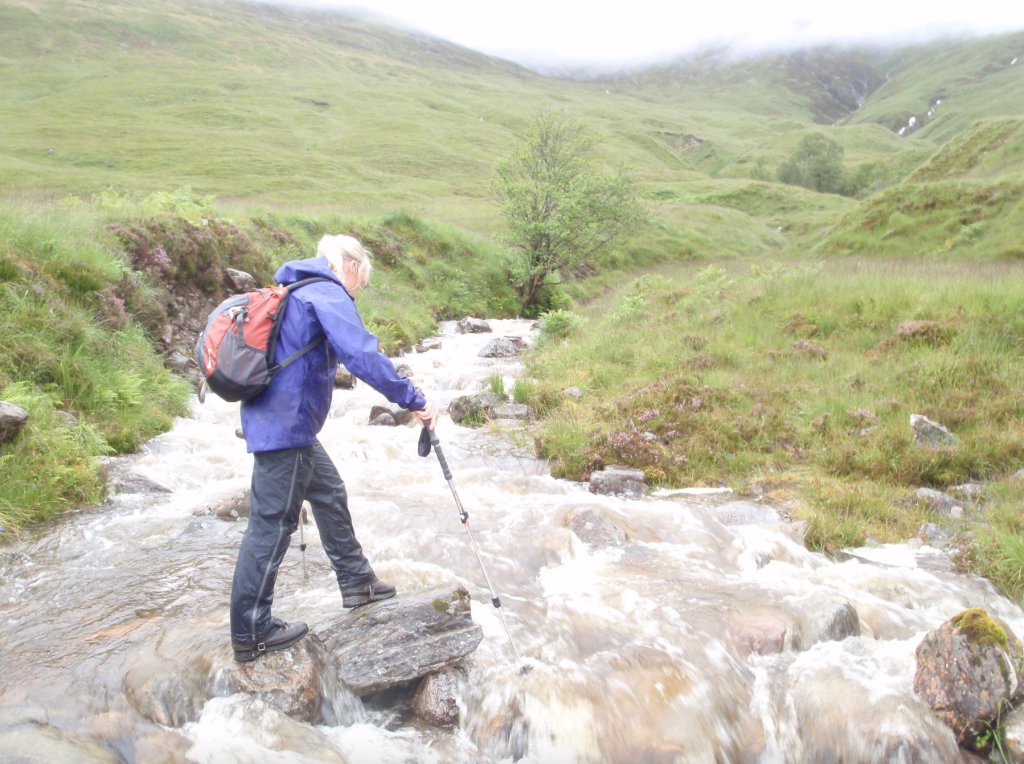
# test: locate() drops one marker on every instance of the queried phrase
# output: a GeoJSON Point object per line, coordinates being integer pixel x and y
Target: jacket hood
{"type": "Point", "coordinates": [297, 270]}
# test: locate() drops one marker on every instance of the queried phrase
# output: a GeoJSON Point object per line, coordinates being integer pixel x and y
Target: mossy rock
{"type": "Point", "coordinates": [978, 626]}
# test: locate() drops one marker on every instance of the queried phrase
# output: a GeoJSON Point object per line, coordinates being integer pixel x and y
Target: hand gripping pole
{"type": "Point", "coordinates": [464, 517]}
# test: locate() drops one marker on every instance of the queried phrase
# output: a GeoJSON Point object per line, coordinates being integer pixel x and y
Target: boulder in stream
{"type": "Point", "coordinates": [398, 414]}
{"type": "Point", "coordinates": [234, 507]}
{"type": "Point", "coordinates": [503, 347]}
{"type": "Point", "coordinates": [473, 407]}
{"type": "Point", "coordinates": [594, 527]}
{"type": "Point", "coordinates": [286, 680]}
{"type": "Point", "coordinates": [437, 698]}
{"type": "Point", "coordinates": [826, 618]}
{"type": "Point", "coordinates": [967, 669]}
{"type": "Point", "coordinates": [433, 343]}
{"type": "Point", "coordinates": [343, 379]}
{"type": "Point", "coordinates": [470, 325]}
{"type": "Point", "coordinates": [12, 419]}
{"type": "Point", "coordinates": [383, 420]}
{"type": "Point", "coordinates": [618, 480]}
{"type": "Point", "coordinates": [1013, 736]}
{"type": "Point", "coordinates": [137, 482]}
{"type": "Point", "coordinates": [389, 643]}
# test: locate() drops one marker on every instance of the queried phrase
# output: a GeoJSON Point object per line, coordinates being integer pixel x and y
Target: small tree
{"type": "Point", "coordinates": [561, 211]}
{"type": "Point", "coordinates": [816, 164]}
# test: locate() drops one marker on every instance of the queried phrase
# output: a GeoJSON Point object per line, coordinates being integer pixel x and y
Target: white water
{"type": "Point", "coordinates": [635, 649]}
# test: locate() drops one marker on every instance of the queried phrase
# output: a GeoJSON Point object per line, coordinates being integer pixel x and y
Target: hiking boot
{"type": "Point", "coordinates": [279, 636]}
{"type": "Point", "coordinates": [374, 591]}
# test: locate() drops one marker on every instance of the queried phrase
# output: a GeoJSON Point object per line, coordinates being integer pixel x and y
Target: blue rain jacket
{"type": "Point", "coordinates": [293, 408]}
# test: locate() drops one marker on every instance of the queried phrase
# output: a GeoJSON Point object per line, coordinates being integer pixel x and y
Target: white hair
{"type": "Point", "coordinates": [338, 249]}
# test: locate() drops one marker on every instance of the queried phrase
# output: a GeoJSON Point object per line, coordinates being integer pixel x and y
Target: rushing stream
{"type": "Point", "coordinates": [636, 650]}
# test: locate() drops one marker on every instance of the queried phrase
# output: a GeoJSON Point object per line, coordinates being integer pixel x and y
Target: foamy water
{"type": "Point", "coordinates": [635, 650]}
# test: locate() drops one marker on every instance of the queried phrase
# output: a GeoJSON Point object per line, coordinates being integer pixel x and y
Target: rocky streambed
{"type": "Point", "coordinates": [670, 627]}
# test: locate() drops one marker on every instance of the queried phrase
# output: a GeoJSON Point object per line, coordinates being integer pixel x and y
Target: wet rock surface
{"type": "Point", "coordinates": [343, 379]}
{"type": "Point", "coordinates": [383, 420]}
{"type": "Point", "coordinates": [12, 419]}
{"type": "Point", "coordinates": [966, 669]}
{"type": "Point", "coordinates": [1013, 736]}
{"type": "Point", "coordinates": [761, 635]}
{"type": "Point", "coordinates": [503, 347]}
{"type": "Point", "coordinates": [42, 744]}
{"type": "Point", "coordinates": [385, 644]}
{"type": "Point", "coordinates": [594, 527]}
{"type": "Point", "coordinates": [437, 698]}
{"type": "Point", "coordinates": [433, 343]}
{"type": "Point", "coordinates": [470, 325]}
{"type": "Point", "coordinates": [746, 513]}
{"type": "Point", "coordinates": [619, 480]}
{"type": "Point", "coordinates": [931, 434]}
{"type": "Point", "coordinates": [399, 415]}
{"type": "Point", "coordinates": [478, 405]}
{"type": "Point", "coordinates": [286, 680]}
{"type": "Point", "coordinates": [825, 619]}
{"type": "Point", "coordinates": [137, 482]}
{"type": "Point", "coordinates": [516, 411]}
{"type": "Point", "coordinates": [234, 507]}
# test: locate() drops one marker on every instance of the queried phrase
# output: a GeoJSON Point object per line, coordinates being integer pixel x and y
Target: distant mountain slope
{"type": "Point", "coordinates": [946, 87]}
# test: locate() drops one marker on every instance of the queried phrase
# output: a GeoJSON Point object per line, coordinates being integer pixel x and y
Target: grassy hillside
{"type": "Point", "coordinates": [799, 380]}
{"type": "Point", "coordinates": [83, 301]}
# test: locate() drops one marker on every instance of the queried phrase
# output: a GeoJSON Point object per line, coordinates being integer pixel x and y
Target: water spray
{"type": "Point", "coordinates": [428, 440]}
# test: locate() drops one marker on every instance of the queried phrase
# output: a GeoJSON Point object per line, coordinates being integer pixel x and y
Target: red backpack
{"type": "Point", "coordinates": [235, 351]}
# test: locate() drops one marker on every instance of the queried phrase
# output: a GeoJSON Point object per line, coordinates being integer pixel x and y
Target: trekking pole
{"type": "Point", "coordinates": [464, 516]}
{"type": "Point", "coordinates": [302, 541]}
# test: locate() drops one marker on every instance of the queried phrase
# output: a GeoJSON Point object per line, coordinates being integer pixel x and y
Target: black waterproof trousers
{"type": "Point", "coordinates": [281, 481]}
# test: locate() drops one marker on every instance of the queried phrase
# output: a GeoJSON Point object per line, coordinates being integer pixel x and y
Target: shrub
{"type": "Point", "coordinates": [560, 323]}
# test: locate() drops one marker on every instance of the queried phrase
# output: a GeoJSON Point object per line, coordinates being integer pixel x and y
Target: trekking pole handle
{"type": "Point", "coordinates": [436, 443]}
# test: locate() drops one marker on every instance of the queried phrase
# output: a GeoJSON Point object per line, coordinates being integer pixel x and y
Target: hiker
{"type": "Point", "coordinates": [281, 426]}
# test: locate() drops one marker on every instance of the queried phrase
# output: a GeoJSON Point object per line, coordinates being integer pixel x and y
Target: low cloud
{"type": "Point", "coordinates": [603, 37]}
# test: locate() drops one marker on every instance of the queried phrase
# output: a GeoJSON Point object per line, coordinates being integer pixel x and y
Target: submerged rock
{"type": "Point", "coordinates": [503, 347]}
{"type": "Point", "coordinates": [594, 527]}
{"type": "Point", "coordinates": [477, 406]}
{"type": "Point", "coordinates": [619, 480]}
{"type": "Point", "coordinates": [761, 635]}
{"type": "Point", "coordinates": [286, 680]}
{"type": "Point", "coordinates": [966, 670]}
{"type": "Point", "coordinates": [383, 420]}
{"type": "Point", "coordinates": [931, 434]}
{"type": "Point", "coordinates": [470, 325]}
{"type": "Point", "coordinates": [437, 698]}
{"type": "Point", "coordinates": [12, 419]}
{"type": "Point", "coordinates": [43, 744]}
{"type": "Point", "coordinates": [746, 513]}
{"type": "Point", "coordinates": [825, 619]}
{"type": "Point", "coordinates": [385, 644]}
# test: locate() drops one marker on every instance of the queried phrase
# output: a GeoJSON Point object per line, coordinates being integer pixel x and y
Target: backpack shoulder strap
{"type": "Point", "coordinates": [312, 280]}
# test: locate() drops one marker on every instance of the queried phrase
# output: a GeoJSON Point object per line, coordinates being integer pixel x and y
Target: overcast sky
{"type": "Point", "coordinates": [611, 35]}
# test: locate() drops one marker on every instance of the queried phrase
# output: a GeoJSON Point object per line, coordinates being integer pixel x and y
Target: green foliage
{"type": "Point", "coordinates": [817, 164]}
{"type": "Point", "coordinates": [560, 211]}
{"type": "Point", "coordinates": [497, 384]}
{"type": "Point", "coordinates": [560, 323]}
{"type": "Point", "coordinates": [805, 376]}
{"type": "Point", "coordinates": [524, 391]}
